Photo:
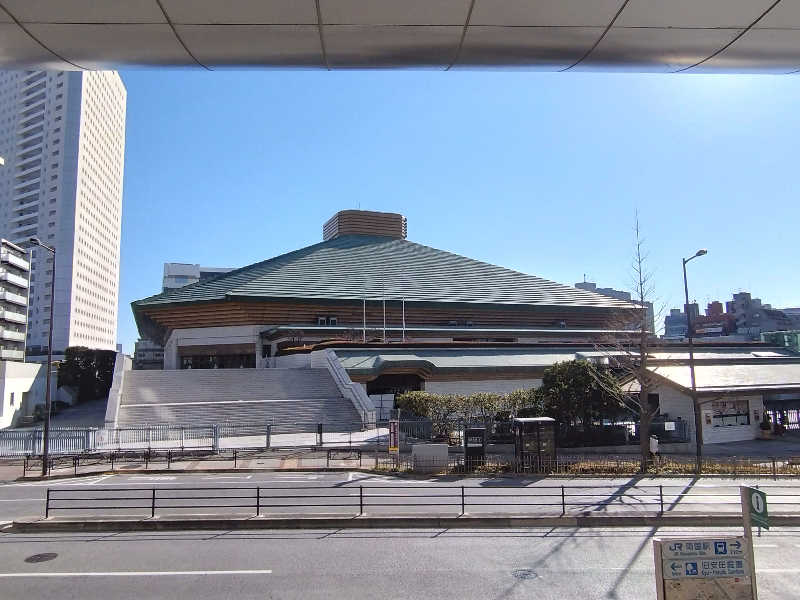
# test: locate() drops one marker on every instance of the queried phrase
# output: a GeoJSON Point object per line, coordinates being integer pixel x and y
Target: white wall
{"type": "Point", "coordinates": [18, 378]}
{"type": "Point", "coordinates": [678, 404]}
{"type": "Point", "coordinates": [467, 387]}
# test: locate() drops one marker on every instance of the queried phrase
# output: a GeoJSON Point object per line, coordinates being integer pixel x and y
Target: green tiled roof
{"type": "Point", "coordinates": [353, 267]}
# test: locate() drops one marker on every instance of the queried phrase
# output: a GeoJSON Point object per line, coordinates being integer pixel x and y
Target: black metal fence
{"type": "Point", "coordinates": [548, 500]}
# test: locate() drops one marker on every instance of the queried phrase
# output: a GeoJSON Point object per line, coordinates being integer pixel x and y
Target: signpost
{"type": "Point", "coordinates": [720, 568]}
{"type": "Point", "coordinates": [394, 437]}
{"type": "Point", "coordinates": [754, 505]}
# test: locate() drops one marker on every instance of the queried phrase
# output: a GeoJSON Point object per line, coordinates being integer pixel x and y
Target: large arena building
{"type": "Point", "coordinates": [366, 282]}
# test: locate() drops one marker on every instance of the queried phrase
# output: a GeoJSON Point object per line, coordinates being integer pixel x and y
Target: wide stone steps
{"type": "Point", "coordinates": [293, 400]}
{"type": "Point", "coordinates": [213, 385]}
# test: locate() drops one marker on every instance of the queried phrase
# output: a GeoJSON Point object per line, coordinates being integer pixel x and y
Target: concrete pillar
{"type": "Point", "coordinates": [171, 353]}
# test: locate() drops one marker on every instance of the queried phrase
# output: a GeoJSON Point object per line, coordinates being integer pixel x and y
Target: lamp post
{"type": "Point", "coordinates": [47, 401]}
{"type": "Point", "coordinates": [698, 425]}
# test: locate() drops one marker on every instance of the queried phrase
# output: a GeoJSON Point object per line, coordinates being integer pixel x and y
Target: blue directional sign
{"type": "Point", "coordinates": [704, 568]}
{"type": "Point", "coordinates": [703, 548]}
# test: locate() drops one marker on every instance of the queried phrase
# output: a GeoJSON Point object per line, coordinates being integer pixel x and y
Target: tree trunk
{"type": "Point", "coordinates": [645, 418]}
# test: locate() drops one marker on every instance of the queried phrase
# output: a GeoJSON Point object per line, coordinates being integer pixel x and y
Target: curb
{"type": "Point", "coordinates": [41, 525]}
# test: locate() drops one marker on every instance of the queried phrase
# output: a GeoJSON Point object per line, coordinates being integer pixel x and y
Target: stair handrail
{"type": "Point", "coordinates": [349, 390]}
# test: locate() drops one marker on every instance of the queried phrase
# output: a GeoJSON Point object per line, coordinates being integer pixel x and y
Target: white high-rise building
{"type": "Point", "coordinates": [62, 135]}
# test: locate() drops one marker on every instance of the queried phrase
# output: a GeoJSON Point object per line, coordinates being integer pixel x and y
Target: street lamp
{"type": "Point", "coordinates": [698, 425]}
{"type": "Point", "coordinates": [47, 401]}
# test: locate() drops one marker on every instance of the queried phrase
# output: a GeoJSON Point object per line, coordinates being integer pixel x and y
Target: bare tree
{"type": "Point", "coordinates": [628, 354]}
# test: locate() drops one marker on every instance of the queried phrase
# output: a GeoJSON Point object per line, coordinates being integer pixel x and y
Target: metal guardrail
{"type": "Point", "coordinates": [160, 500]}
{"type": "Point", "coordinates": [72, 440]}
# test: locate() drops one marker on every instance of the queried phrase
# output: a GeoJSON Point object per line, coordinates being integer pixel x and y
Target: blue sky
{"type": "Point", "coordinates": [536, 172]}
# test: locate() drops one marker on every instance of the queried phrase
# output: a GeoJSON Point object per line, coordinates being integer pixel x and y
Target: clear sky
{"type": "Point", "coordinates": [537, 172]}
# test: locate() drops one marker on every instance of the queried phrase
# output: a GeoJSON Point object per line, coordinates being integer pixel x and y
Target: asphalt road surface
{"type": "Point", "coordinates": [546, 564]}
{"type": "Point", "coordinates": [326, 494]}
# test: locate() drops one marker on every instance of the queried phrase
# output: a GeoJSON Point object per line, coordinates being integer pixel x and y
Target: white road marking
{"type": "Point", "coordinates": [137, 573]}
{"type": "Point", "coordinates": [153, 477]}
{"type": "Point", "coordinates": [228, 477]}
{"type": "Point", "coordinates": [99, 479]}
{"type": "Point", "coordinates": [23, 500]}
{"type": "Point", "coordinates": [765, 545]}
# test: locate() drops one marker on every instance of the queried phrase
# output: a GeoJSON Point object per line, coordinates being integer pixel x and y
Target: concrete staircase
{"type": "Point", "coordinates": [294, 400]}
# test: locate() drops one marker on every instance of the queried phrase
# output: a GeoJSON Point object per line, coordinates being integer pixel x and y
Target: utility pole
{"type": "Point", "coordinates": [47, 399]}
{"type": "Point", "coordinates": [698, 423]}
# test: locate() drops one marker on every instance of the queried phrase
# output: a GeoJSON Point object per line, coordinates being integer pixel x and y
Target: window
{"type": "Point", "coordinates": [12, 398]}
{"type": "Point", "coordinates": [321, 321]}
{"type": "Point", "coordinates": [332, 321]}
{"type": "Point", "coordinates": [730, 412]}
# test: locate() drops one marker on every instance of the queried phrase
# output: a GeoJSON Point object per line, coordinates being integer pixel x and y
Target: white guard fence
{"type": "Point", "coordinates": [23, 442]}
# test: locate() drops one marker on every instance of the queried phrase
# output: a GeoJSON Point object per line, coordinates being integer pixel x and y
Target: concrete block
{"type": "Point", "coordinates": [429, 458]}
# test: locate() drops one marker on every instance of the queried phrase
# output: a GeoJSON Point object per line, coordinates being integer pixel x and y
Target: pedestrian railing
{"type": "Point", "coordinates": [553, 500]}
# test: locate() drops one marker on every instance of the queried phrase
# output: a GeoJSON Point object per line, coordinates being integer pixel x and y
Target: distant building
{"type": "Point", "coordinates": [744, 317]}
{"type": "Point", "coordinates": [14, 280]}
{"type": "Point", "coordinates": [754, 317]}
{"type": "Point", "coordinates": [619, 295]}
{"type": "Point", "coordinates": [675, 325]}
{"type": "Point", "coordinates": [794, 315]}
{"type": "Point", "coordinates": [147, 354]}
{"type": "Point", "coordinates": [177, 275]}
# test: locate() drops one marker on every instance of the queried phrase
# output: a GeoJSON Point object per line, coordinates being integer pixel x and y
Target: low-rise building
{"type": "Point", "coordinates": [14, 283]}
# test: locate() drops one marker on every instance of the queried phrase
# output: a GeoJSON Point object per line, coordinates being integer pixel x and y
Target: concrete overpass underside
{"type": "Point", "coordinates": [696, 36]}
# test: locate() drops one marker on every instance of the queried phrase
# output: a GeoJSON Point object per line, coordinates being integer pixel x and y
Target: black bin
{"type": "Point", "coordinates": [474, 447]}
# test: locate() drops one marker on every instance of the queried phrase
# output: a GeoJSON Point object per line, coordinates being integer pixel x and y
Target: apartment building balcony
{"type": "Point", "coordinates": [32, 165]}
{"type": "Point", "coordinates": [13, 317]}
{"type": "Point", "coordinates": [31, 153]}
{"type": "Point", "coordinates": [29, 218]}
{"type": "Point", "coordinates": [13, 259]}
{"type": "Point", "coordinates": [30, 144]}
{"type": "Point", "coordinates": [27, 203]}
{"type": "Point", "coordinates": [13, 279]}
{"type": "Point", "coordinates": [24, 231]}
{"type": "Point", "coordinates": [34, 110]}
{"type": "Point", "coordinates": [30, 121]}
{"type": "Point", "coordinates": [32, 129]}
{"type": "Point", "coordinates": [11, 336]}
{"type": "Point", "coordinates": [32, 80]}
{"type": "Point", "coordinates": [6, 354]}
{"type": "Point", "coordinates": [28, 101]}
{"type": "Point", "coordinates": [13, 298]}
{"type": "Point", "coordinates": [28, 185]}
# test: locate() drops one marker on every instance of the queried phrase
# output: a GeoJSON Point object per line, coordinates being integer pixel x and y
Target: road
{"type": "Point", "coordinates": [382, 496]}
{"type": "Point", "coordinates": [546, 564]}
